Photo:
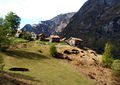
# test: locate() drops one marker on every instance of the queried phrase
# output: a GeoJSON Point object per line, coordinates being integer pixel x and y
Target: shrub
{"type": "Point", "coordinates": [26, 35]}
{"type": "Point", "coordinates": [53, 50]}
{"type": "Point", "coordinates": [116, 69]}
{"type": "Point", "coordinates": [107, 58]}
{"type": "Point", "coordinates": [116, 65]}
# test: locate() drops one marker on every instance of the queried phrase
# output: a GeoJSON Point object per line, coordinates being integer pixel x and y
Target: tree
{"type": "Point", "coordinates": [107, 58]}
{"type": "Point", "coordinates": [4, 34]}
{"type": "Point", "coordinates": [13, 21]}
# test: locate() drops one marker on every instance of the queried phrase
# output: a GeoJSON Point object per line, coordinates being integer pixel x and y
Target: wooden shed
{"type": "Point", "coordinates": [54, 38]}
{"type": "Point", "coordinates": [41, 37]}
{"type": "Point", "coordinates": [74, 41]}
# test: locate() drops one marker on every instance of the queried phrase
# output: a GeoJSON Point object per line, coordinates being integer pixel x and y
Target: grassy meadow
{"type": "Point", "coordinates": [43, 68]}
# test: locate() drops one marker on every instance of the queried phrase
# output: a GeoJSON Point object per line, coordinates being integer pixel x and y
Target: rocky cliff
{"type": "Point", "coordinates": [97, 22]}
{"type": "Point", "coordinates": [48, 27]}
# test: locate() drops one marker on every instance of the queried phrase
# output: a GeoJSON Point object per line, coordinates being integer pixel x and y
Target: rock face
{"type": "Point", "coordinates": [53, 26]}
{"type": "Point", "coordinates": [97, 21]}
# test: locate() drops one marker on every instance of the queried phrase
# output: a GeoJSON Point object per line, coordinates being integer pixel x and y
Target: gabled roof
{"type": "Point", "coordinates": [54, 36]}
{"type": "Point", "coordinates": [63, 39]}
{"type": "Point", "coordinates": [39, 35]}
{"type": "Point", "coordinates": [77, 39]}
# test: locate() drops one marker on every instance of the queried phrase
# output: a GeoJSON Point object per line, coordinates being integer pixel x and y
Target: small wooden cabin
{"type": "Point", "coordinates": [74, 41]}
{"type": "Point", "coordinates": [41, 37]}
{"type": "Point", "coordinates": [54, 38]}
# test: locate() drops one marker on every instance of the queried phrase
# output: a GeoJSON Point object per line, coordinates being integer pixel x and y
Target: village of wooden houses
{"type": "Point", "coordinates": [52, 38]}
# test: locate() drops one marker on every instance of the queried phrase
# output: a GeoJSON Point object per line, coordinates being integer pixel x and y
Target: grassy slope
{"type": "Point", "coordinates": [44, 70]}
{"type": "Point", "coordinates": [20, 39]}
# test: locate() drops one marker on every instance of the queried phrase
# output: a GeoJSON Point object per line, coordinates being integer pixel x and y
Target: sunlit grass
{"type": "Point", "coordinates": [44, 69]}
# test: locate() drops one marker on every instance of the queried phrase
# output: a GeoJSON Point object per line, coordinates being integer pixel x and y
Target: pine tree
{"type": "Point", "coordinates": [107, 57]}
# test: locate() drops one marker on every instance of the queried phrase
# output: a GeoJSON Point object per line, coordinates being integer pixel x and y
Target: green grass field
{"type": "Point", "coordinates": [20, 39]}
{"type": "Point", "coordinates": [43, 69]}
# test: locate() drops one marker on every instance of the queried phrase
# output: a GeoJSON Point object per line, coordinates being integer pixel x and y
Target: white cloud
{"type": "Point", "coordinates": [42, 9]}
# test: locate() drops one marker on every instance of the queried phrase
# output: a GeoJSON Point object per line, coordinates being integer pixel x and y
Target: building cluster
{"type": "Point", "coordinates": [53, 38]}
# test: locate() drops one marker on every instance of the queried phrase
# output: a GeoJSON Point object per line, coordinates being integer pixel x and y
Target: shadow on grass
{"type": "Point", "coordinates": [8, 81]}
{"type": "Point", "coordinates": [25, 54]}
{"type": "Point", "coordinates": [21, 76]}
{"type": "Point", "coordinates": [16, 79]}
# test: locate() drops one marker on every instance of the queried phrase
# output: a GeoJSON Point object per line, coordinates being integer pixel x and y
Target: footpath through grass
{"type": "Point", "coordinates": [43, 69]}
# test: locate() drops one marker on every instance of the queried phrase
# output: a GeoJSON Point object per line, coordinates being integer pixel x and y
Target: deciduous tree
{"type": "Point", "coordinates": [13, 21]}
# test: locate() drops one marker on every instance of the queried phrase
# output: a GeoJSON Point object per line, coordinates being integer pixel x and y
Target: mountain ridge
{"type": "Point", "coordinates": [97, 21]}
{"type": "Point", "coordinates": [52, 26]}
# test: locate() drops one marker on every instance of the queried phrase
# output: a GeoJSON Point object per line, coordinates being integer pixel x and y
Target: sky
{"type": "Point", "coordinates": [32, 11]}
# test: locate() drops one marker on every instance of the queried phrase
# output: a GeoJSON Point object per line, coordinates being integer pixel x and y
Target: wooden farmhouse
{"type": "Point", "coordinates": [74, 41]}
{"type": "Point", "coordinates": [41, 37]}
{"type": "Point", "coordinates": [54, 38]}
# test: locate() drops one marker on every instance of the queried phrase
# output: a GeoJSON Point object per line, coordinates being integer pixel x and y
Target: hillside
{"type": "Point", "coordinates": [55, 25]}
{"type": "Point", "coordinates": [43, 68]}
{"type": "Point", "coordinates": [97, 22]}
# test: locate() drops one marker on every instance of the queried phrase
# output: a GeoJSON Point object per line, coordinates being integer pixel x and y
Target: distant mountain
{"type": "Point", "coordinates": [48, 27]}
{"type": "Point", "coordinates": [97, 22]}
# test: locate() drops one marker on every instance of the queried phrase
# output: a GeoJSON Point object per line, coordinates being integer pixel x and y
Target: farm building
{"type": "Point", "coordinates": [74, 41]}
{"type": "Point", "coordinates": [41, 37]}
{"type": "Point", "coordinates": [33, 36]}
{"type": "Point", "coordinates": [62, 40]}
{"type": "Point", "coordinates": [18, 34]}
{"type": "Point", "coordinates": [54, 38]}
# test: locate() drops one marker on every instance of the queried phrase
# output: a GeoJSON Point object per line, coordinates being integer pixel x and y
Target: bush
{"type": "Point", "coordinates": [26, 35]}
{"type": "Point", "coordinates": [116, 69]}
{"type": "Point", "coordinates": [107, 58]}
{"type": "Point", "coordinates": [116, 65]}
{"type": "Point", "coordinates": [53, 50]}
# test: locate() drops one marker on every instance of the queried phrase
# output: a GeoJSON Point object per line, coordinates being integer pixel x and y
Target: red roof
{"type": "Point", "coordinates": [40, 35]}
{"type": "Point", "coordinates": [52, 36]}
{"type": "Point", "coordinates": [77, 39]}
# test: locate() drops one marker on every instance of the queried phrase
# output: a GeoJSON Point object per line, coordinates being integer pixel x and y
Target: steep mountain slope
{"type": "Point", "coordinates": [97, 22]}
{"type": "Point", "coordinates": [55, 25]}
